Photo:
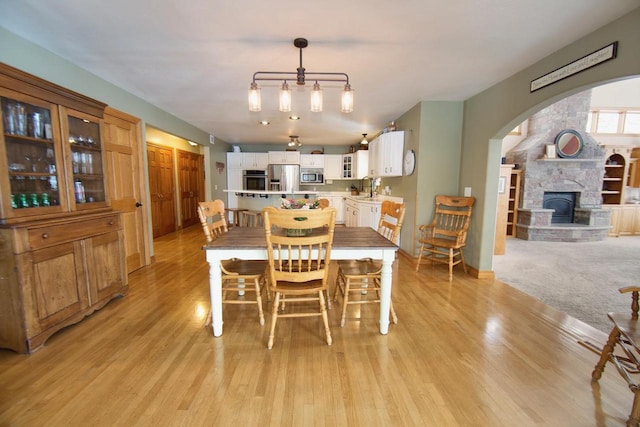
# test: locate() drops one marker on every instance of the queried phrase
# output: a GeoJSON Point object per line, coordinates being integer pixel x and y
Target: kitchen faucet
{"type": "Point", "coordinates": [362, 186]}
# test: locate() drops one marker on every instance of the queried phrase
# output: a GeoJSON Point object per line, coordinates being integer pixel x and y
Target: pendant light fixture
{"type": "Point", "coordinates": [285, 98]}
{"type": "Point", "coordinates": [364, 140]}
{"type": "Point", "coordinates": [294, 142]}
{"type": "Point", "coordinates": [300, 75]}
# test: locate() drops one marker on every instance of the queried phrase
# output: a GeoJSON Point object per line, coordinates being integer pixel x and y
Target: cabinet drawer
{"type": "Point", "coordinates": [42, 237]}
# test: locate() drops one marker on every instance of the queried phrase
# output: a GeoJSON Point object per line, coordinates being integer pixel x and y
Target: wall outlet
{"type": "Point", "coordinates": [215, 187]}
{"type": "Point", "coordinates": [467, 191]}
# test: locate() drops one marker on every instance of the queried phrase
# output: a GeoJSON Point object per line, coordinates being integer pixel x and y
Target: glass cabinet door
{"type": "Point", "coordinates": [33, 157]}
{"type": "Point", "coordinates": [85, 149]}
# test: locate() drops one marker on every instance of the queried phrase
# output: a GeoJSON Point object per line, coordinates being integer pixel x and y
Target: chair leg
{"type": "Point", "coordinates": [256, 282]}
{"type": "Point", "coordinates": [420, 257]}
{"type": "Point", "coordinates": [634, 418]}
{"type": "Point", "coordinates": [274, 319]}
{"type": "Point", "coordinates": [345, 299]}
{"type": "Point", "coordinates": [325, 318]}
{"type": "Point", "coordinates": [464, 266]}
{"type": "Point", "coordinates": [607, 350]}
{"type": "Point", "coordinates": [394, 317]}
{"type": "Point", "coordinates": [450, 265]}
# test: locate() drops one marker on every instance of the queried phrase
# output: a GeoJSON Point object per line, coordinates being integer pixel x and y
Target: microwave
{"type": "Point", "coordinates": [311, 176]}
{"type": "Point", "coordinates": [254, 180]}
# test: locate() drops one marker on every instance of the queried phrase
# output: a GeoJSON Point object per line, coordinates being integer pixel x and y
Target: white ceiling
{"type": "Point", "coordinates": [195, 58]}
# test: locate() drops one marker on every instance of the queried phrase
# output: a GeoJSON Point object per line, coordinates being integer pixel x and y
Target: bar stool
{"type": "Point", "coordinates": [236, 215]}
{"type": "Point", "coordinates": [252, 218]}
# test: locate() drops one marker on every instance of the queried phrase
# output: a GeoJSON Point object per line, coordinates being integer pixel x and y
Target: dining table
{"type": "Point", "coordinates": [249, 243]}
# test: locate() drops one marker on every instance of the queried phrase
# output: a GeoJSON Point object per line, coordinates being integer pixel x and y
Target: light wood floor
{"type": "Point", "coordinates": [467, 353]}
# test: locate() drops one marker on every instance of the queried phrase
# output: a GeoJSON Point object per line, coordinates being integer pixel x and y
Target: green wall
{"type": "Point", "coordinates": [491, 114]}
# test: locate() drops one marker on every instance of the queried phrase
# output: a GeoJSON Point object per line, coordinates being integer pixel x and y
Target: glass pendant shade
{"type": "Point", "coordinates": [255, 104]}
{"type": "Point", "coordinates": [285, 98]}
{"type": "Point", "coordinates": [316, 98]}
{"type": "Point", "coordinates": [347, 99]}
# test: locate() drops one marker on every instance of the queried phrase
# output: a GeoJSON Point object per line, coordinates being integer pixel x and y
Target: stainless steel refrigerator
{"type": "Point", "coordinates": [284, 178]}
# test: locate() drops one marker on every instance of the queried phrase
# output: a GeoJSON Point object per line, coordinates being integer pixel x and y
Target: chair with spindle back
{"type": "Point", "coordinates": [237, 275]}
{"type": "Point", "coordinates": [442, 240]}
{"type": "Point", "coordinates": [359, 279]}
{"type": "Point", "coordinates": [299, 250]}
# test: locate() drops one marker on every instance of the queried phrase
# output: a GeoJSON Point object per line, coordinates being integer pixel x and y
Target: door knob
{"type": "Point", "coordinates": [138, 204]}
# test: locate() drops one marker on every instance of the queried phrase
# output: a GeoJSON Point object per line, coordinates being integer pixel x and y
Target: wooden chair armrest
{"type": "Point", "coordinates": [629, 289]}
{"type": "Point", "coordinates": [427, 230]}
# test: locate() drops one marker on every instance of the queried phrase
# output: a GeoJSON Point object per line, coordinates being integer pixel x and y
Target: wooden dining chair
{"type": "Point", "coordinates": [238, 276]}
{"type": "Point", "coordinates": [323, 203]}
{"type": "Point", "coordinates": [358, 280]}
{"type": "Point", "coordinates": [442, 240]}
{"type": "Point", "coordinates": [623, 351]}
{"type": "Point", "coordinates": [299, 250]}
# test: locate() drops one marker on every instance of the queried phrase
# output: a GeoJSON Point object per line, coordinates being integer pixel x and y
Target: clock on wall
{"type": "Point", "coordinates": [409, 162]}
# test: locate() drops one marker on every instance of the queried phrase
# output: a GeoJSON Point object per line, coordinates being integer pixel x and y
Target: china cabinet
{"type": "Point", "coordinates": [61, 244]}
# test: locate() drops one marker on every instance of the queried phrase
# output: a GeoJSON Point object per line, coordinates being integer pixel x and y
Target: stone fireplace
{"type": "Point", "coordinates": [560, 197]}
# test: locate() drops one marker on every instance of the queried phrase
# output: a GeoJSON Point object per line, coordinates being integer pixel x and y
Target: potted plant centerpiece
{"type": "Point", "coordinates": [299, 204]}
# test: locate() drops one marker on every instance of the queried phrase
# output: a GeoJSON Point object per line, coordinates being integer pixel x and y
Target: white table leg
{"type": "Point", "coordinates": [215, 289]}
{"type": "Point", "coordinates": [385, 290]}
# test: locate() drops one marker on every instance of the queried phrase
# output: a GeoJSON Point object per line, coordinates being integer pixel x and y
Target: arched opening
{"type": "Point", "coordinates": [573, 278]}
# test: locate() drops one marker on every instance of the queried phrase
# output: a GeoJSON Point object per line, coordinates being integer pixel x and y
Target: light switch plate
{"type": "Point", "coordinates": [467, 191]}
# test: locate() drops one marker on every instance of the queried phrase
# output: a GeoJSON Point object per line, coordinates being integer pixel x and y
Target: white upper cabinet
{"type": "Point", "coordinates": [312, 161]}
{"type": "Point", "coordinates": [234, 160]}
{"type": "Point", "coordinates": [332, 166]}
{"type": "Point", "coordinates": [255, 160]}
{"type": "Point", "coordinates": [386, 154]}
{"type": "Point", "coordinates": [284, 157]}
{"type": "Point", "coordinates": [355, 165]}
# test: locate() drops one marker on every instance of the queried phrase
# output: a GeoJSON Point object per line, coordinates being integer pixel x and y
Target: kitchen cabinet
{"type": "Point", "coordinates": [388, 154]}
{"type": "Point", "coordinates": [284, 157]}
{"type": "Point", "coordinates": [362, 213]}
{"type": "Point", "coordinates": [369, 214]}
{"type": "Point", "coordinates": [351, 212]}
{"type": "Point", "coordinates": [338, 203]}
{"type": "Point", "coordinates": [332, 166]}
{"type": "Point", "coordinates": [57, 271]}
{"type": "Point", "coordinates": [625, 220]}
{"type": "Point", "coordinates": [312, 161]}
{"type": "Point", "coordinates": [372, 167]}
{"type": "Point", "coordinates": [234, 160]}
{"type": "Point", "coordinates": [355, 165]}
{"type": "Point", "coordinates": [256, 161]}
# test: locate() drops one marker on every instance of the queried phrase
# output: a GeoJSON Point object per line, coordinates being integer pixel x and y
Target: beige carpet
{"type": "Point", "coordinates": [581, 279]}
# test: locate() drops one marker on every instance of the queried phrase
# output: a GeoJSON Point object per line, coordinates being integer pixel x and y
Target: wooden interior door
{"type": "Point", "coordinates": [125, 175]}
{"type": "Point", "coordinates": [191, 179]}
{"type": "Point", "coordinates": [161, 173]}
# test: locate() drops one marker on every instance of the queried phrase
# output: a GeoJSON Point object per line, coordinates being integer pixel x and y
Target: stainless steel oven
{"type": "Point", "coordinates": [254, 180]}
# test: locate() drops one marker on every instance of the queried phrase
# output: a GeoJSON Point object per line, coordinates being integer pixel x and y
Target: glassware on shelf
{"type": "Point", "coordinates": [21, 119]}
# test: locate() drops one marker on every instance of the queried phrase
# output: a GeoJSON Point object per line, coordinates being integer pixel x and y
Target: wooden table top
{"type": "Point", "coordinates": [343, 238]}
